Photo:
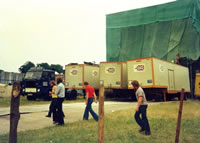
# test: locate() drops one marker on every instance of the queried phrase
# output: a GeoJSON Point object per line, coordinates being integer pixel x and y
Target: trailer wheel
{"type": "Point", "coordinates": [73, 94]}
{"type": "Point", "coordinates": [169, 97]}
{"type": "Point", "coordinates": [159, 97]}
{"type": "Point", "coordinates": [133, 98]}
{"type": "Point", "coordinates": [97, 92]}
{"type": "Point", "coordinates": [185, 97]}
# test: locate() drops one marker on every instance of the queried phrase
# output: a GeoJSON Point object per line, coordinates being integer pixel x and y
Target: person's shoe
{"type": "Point", "coordinates": [60, 124]}
{"type": "Point", "coordinates": [48, 116]}
{"type": "Point", "coordinates": [147, 133]}
{"type": "Point", "coordinates": [54, 122]}
{"type": "Point", "coordinates": [141, 130]}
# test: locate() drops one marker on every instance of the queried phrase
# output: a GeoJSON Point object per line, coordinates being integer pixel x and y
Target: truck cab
{"type": "Point", "coordinates": [35, 84]}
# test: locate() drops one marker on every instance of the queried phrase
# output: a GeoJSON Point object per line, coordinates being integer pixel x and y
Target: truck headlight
{"type": "Point", "coordinates": [38, 90]}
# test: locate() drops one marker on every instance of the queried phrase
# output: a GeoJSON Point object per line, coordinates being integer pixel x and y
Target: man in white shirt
{"type": "Point", "coordinates": [60, 92]}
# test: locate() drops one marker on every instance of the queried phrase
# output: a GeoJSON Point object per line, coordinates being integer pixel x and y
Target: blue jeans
{"type": "Point", "coordinates": [89, 109]}
{"type": "Point", "coordinates": [60, 114]}
{"type": "Point", "coordinates": [142, 122]}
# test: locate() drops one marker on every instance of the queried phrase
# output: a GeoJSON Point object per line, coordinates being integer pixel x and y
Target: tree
{"type": "Point", "coordinates": [25, 67]}
{"type": "Point", "coordinates": [44, 65]}
{"type": "Point", "coordinates": [55, 67]}
{"type": "Point", "coordinates": [58, 68]}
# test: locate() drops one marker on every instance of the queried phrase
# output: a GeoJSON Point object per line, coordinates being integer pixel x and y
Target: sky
{"type": "Point", "coordinates": [57, 31]}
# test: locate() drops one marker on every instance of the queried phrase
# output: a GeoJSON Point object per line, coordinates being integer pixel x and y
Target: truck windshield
{"type": "Point", "coordinates": [33, 75]}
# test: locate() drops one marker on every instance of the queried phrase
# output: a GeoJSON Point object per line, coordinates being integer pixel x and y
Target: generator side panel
{"type": "Point", "coordinates": [140, 70]}
{"type": "Point", "coordinates": [161, 73]}
{"type": "Point", "coordinates": [124, 76]}
{"type": "Point", "coordinates": [91, 75]}
{"type": "Point", "coordinates": [74, 76]}
{"type": "Point", "coordinates": [175, 77]}
{"type": "Point", "coordinates": [110, 74]}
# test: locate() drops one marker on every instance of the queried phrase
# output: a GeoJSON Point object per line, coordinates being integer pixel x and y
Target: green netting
{"type": "Point", "coordinates": [160, 31]}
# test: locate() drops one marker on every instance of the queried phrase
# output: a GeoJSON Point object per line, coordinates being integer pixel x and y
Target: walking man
{"type": "Point", "coordinates": [90, 94]}
{"type": "Point", "coordinates": [141, 108]}
{"type": "Point", "coordinates": [60, 92]}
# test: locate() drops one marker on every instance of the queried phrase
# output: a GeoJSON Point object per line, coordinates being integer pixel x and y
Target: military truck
{"type": "Point", "coordinates": [35, 84]}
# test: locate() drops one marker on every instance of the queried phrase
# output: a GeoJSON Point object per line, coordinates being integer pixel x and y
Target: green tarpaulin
{"type": "Point", "coordinates": [160, 31]}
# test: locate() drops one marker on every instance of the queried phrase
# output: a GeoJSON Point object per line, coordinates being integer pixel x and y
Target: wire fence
{"type": "Point", "coordinates": [10, 77]}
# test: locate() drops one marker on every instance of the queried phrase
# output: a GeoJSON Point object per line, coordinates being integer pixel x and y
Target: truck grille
{"type": "Point", "coordinates": [30, 84]}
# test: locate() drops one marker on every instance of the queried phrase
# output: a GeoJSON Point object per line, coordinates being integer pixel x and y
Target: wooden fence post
{"type": "Point", "coordinates": [14, 112]}
{"type": "Point", "coordinates": [101, 114]}
{"type": "Point", "coordinates": [179, 116]}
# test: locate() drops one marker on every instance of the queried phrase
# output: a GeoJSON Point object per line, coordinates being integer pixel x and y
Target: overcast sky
{"type": "Point", "coordinates": [57, 31]}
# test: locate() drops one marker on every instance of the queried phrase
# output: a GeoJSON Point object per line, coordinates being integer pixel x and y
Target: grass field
{"type": "Point", "coordinates": [5, 102]}
{"type": "Point", "coordinates": [120, 127]}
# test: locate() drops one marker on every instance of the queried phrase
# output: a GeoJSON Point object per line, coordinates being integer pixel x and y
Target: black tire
{"type": "Point", "coordinates": [73, 94]}
{"type": "Point", "coordinates": [67, 95]}
{"type": "Point", "coordinates": [133, 98]}
{"type": "Point", "coordinates": [179, 96]}
{"type": "Point", "coordinates": [169, 97]}
{"type": "Point", "coordinates": [159, 97]}
{"type": "Point", "coordinates": [97, 92]}
{"type": "Point", "coordinates": [185, 97]}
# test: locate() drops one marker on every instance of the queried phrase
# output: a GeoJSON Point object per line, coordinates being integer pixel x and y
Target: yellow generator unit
{"type": "Point", "coordinates": [197, 85]}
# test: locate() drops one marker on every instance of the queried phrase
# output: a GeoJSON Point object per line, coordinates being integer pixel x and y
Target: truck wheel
{"type": "Point", "coordinates": [159, 97]}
